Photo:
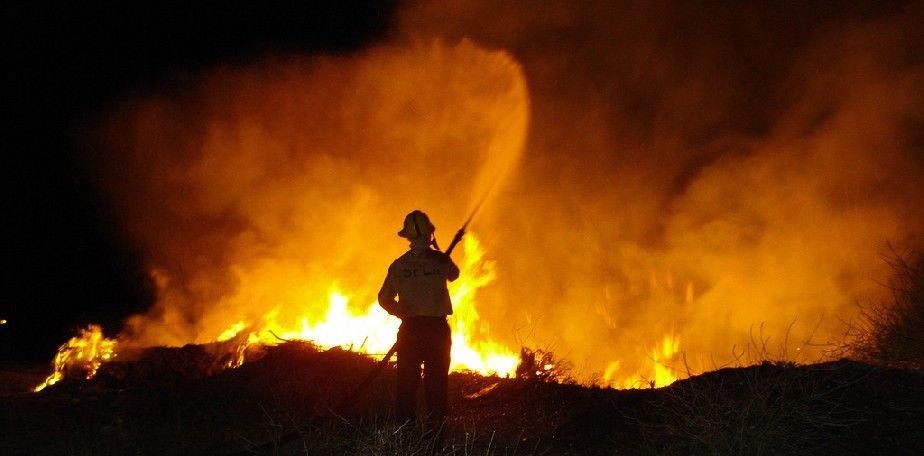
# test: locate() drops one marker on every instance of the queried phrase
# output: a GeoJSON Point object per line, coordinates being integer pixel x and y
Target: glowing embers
{"type": "Point", "coordinates": [81, 356]}
{"type": "Point", "coordinates": [232, 344]}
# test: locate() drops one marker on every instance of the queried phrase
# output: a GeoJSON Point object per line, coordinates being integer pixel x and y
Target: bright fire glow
{"type": "Point", "coordinates": [84, 353]}
{"type": "Point", "coordinates": [659, 372]}
{"type": "Point", "coordinates": [266, 198]}
{"type": "Point", "coordinates": [637, 214]}
{"type": "Point", "coordinates": [268, 220]}
{"type": "Point", "coordinates": [663, 375]}
{"type": "Point", "coordinates": [372, 330]}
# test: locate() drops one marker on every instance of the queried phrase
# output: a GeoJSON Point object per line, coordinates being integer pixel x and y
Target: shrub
{"type": "Point", "coordinates": [891, 332]}
{"type": "Point", "coordinates": [542, 365]}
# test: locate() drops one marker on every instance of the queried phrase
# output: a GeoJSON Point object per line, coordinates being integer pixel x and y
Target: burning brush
{"type": "Point", "coordinates": [81, 356]}
{"type": "Point", "coordinates": [90, 353]}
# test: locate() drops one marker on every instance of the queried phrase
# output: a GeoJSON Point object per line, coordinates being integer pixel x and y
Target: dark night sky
{"type": "Point", "coordinates": [66, 265]}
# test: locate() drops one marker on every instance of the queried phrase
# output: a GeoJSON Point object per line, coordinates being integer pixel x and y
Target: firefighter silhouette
{"type": "Point", "coordinates": [415, 290]}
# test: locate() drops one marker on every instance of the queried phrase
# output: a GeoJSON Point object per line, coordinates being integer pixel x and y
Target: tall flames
{"type": "Point", "coordinates": [664, 182]}
{"type": "Point", "coordinates": [371, 330]}
{"type": "Point", "coordinates": [368, 330]}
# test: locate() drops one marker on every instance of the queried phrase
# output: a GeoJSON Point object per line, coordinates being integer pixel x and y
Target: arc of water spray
{"type": "Point", "coordinates": [471, 215]}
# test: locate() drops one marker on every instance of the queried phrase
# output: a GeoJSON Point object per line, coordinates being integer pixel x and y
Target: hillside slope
{"type": "Point", "coordinates": [173, 401]}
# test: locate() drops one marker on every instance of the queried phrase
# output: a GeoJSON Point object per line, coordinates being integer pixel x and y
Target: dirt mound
{"type": "Point", "coordinates": [176, 401]}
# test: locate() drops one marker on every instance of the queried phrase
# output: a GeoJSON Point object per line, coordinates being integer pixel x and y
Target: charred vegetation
{"type": "Point", "coordinates": [169, 401]}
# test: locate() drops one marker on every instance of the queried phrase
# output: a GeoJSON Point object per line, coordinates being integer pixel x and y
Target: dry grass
{"type": "Point", "coordinates": [770, 405]}
{"type": "Point", "coordinates": [382, 436]}
{"type": "Point", "coordinates": [891, 333]}
{"type": "Point", "coordinates": [542, 365]}
{"type": "Point", "coordinates": [770, 408]}
{"type": "Point", "coordinates": [765, 409]}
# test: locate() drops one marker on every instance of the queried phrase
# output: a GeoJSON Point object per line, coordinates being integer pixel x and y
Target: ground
{"type": "Point", "coordinates": [297, 399]}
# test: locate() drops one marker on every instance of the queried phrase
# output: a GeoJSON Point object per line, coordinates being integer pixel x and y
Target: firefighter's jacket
{"type": "Point", "coordinates": [418, 280]}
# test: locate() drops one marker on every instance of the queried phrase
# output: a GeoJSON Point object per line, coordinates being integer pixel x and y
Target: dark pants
{"type": "Point", "coordinates": [423, 340]}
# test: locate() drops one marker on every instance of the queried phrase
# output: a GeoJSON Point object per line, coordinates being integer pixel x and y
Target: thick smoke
{"type": "Point", "coordinates": [263, 187]}
{"type": "Point", "coordinates": [688, 171]}
{"type": "Point", "coordinates": [701, 170]}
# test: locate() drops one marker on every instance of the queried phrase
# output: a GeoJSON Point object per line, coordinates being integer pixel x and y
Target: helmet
{"type": "Point", "coordinates": [417, 225]}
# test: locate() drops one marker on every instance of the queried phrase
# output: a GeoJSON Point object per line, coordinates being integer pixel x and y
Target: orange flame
{"type": "Point", "coordinates": [371, 330]}
{"type": "Point", "coordinates": [84, 353]}
{"type": "Point", "coordinates": [233, 343]}
{"type": "Point", "coordinates": [658, 373]}
{"type": "Point", "coordinates": [264, 209]}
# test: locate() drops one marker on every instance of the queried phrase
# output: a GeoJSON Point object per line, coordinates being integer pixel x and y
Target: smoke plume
{"type": "Point", "coordinates": [666, 171]}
